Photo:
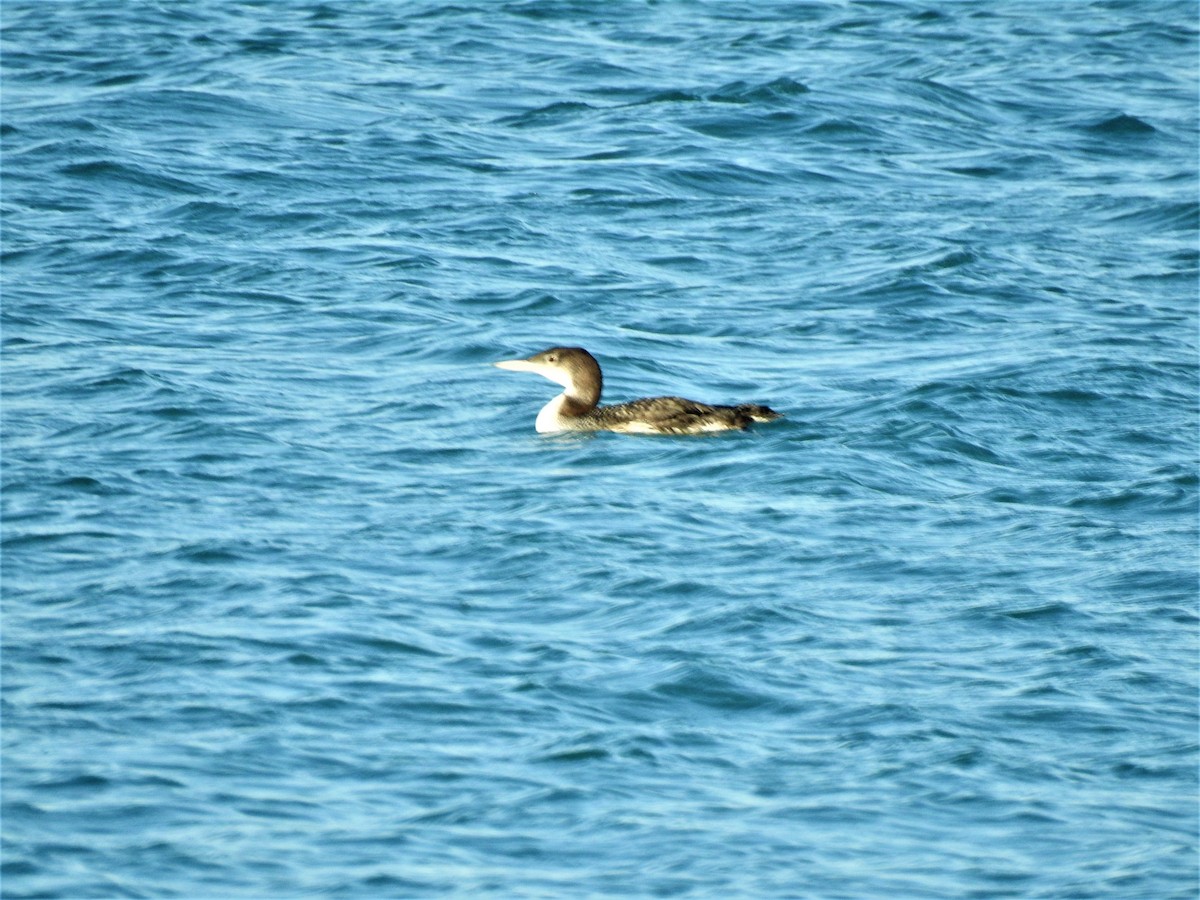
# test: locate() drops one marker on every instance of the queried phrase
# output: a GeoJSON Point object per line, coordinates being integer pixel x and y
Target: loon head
{"type": "Point", "coordinates": [572, 367]}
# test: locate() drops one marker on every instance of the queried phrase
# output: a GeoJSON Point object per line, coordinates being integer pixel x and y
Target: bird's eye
{"type": "Point", "coordinates": [552, 358]}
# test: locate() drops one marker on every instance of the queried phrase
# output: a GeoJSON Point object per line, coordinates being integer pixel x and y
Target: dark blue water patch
{"type": "Point", "coordinates": [979, 171]}
{"type": "Point", "coordinates": [742, 92]}
{"type": "Point", "coordinates": [39, 538]}
{"type": "Point", "coordinates": [87, 485]}
{"type": "Point", "coordinates": [553, 114]}
{"type": "Point", "coordinates": [128, 176]}
{"type": "Point", "coordinates": [577, 754]}
{"type": "Point", "coordinates": [742, 128]}
{"type": "Point", "coordinates": [1122, 125]}
{"type": "Point", "coordinates": [842, 130]}
{"type": "Point", "coordinates": [76, 786]}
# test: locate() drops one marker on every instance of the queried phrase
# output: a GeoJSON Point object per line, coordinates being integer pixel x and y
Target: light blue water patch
{"type": "Point", "coordinates": [296, 602]}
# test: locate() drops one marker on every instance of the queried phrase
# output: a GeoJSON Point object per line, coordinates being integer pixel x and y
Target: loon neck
{"type": "Point", "coordinates": [557, 414]}
{"type": "Point", "coordinates": [579, 399]}
{"type": "Point", "coordinates": [583, 386]}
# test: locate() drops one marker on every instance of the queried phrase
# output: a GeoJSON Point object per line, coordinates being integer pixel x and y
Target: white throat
{"type": "Point", "coordinates": [548, 420]}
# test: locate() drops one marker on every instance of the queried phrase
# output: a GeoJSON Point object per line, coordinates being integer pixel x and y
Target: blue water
{"type": "Point", "coordinates": [296, 602]}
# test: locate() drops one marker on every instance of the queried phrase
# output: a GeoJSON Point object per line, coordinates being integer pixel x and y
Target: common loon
{"type": "Point", "coordinates": [577, 408]}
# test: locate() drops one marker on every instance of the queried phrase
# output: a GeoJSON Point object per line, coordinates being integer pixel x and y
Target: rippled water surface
{"type": "Point", "coordinates": [296, 603]}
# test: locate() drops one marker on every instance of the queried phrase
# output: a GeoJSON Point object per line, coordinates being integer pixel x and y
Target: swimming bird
{"type": "Point", "coordinates": [577, 407]}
